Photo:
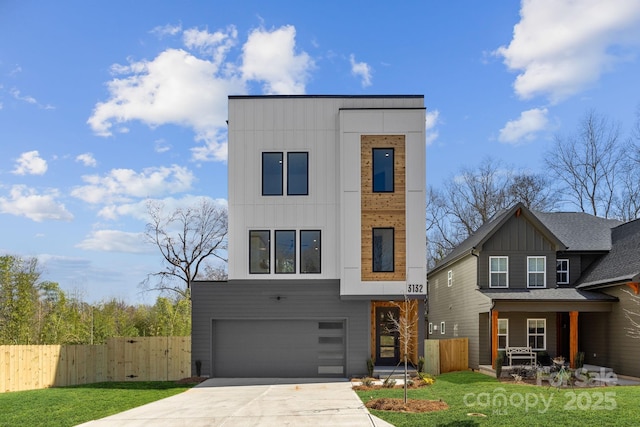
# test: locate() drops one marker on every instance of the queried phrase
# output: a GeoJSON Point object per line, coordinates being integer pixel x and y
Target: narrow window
{"type": "Point", "coordinates": [310, 251]}
{"type": "Point", "coordinates": [536, 272]}
{"type": "Point", "coordinates": [503, 334]}
{"type": "Point", "coordinates": [272, 174]}
{"type": "Point", "coordinates": [383, 257]}
{"type": "Point", "coordinates": [430, 327]}
{"type": "Point", "coordinates": [259, 251]}
{"type": "Point", "coordinates": [562, 271]}
{"type": "Point", "coordinates": [498, 272]}
{"type": "Point", "coordinates": [383, 180]}
{"type": "Point", "coordinates": [441, 328]}
{"type": "Point", "coordinates": [285, 251]}
{"type": "Point", "coordinates": [297, 174]}
{"type": "Point", "coordinates": [537, 333]}
{"type": "Point", "coordinates": [450, 278]}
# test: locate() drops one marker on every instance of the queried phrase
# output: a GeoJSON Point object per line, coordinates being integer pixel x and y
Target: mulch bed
{"type": "Point", "coordinates": [412, 405]}
{"type": "Point", "coordinates": [192, 380]}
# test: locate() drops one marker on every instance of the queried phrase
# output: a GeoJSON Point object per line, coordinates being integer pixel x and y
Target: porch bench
{"type": "Point", "coordinates": [521, 353]}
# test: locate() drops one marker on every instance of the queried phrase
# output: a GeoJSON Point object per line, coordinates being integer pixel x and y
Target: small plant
{"type": "Point", "coordinates": [198, 367]}
{"type": "Point", "coordinates": [579, 361]}
{"type": "Point", "coordinates": [421, 363]}
{"type": "Point", "coordinates": [368, 382]}
{"type": "Point", "coordinates": [371, 364]}
{"type": "Point", "coordinates": [498, 363]}
{"type": "Point", "coordinates": [389, 383]}
{"type": "Point", "coordinates": [427, 378]}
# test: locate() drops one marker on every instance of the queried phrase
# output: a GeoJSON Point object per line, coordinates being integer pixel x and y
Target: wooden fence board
{"type": "Point", "coordinates": [28, 367]}
{"type": "Point", "coordinates": [442, 356]}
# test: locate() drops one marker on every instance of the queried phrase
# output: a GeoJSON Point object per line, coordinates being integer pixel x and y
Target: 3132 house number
{"type": "Point", "coordinates": [415, 288]}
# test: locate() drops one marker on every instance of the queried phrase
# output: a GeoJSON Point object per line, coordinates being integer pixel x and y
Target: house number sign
{"type": "Point", "coordinates": [415, 288]}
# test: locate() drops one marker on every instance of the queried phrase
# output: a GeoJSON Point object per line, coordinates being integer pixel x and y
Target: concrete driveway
{"type": "Point", "coordinates": [253, 402]}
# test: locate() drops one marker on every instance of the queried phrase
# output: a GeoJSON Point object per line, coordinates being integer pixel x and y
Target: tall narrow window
{"type": "Point", "coordinates": [537, 333]}
{"type": "Point", "coordinates": [259, 251]}
{"type": "Point", "coordinates": [562, 271]}
{"type": "Point", "coordinates": [383, 181]}
{"type": "Point", "coordinates": [272, 174]}
{"type": "Point", "coordinates": [310, 251]}
{"type": "Point", "coordinates": [536, 272]}
{"type": "Point", "coordinates": [285, 251]}
{"type": "Point", "coordinates": [297, 174]}
{"type": "Point", "coordinates": [503, 334]}
{"type": "Point", "coordinates": [450, 278]}
{"type": "Point", "coordinates": [498, 272]}
{"type": "Point", "coordinates": [383, 257]}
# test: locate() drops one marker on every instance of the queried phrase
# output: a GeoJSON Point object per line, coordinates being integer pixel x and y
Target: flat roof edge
{"type": "Point", "coordinates": [324, 96]}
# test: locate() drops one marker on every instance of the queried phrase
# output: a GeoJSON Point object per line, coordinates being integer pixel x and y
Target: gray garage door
{"type": "Point", "coordinates": [278, 348]}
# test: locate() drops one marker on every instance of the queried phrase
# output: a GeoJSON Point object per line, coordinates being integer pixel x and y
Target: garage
{"type": "Point", "coordinates": [291, 348]}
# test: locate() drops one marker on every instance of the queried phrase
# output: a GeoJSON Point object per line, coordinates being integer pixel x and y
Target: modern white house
{"type": "Point", "coordinates": [326, 237]}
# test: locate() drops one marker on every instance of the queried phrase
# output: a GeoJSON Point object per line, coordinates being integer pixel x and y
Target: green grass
{"type": "Point", "coordinates": [526, 405]}
{"type": "Point", "coordinates": [69, 406]}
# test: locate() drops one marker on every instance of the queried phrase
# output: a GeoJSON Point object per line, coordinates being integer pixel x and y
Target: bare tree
{"type": "Point", "coordinates": [532, 190]}
{"type": "Point", "coordinates": [633, 317]}
{"type": "Point", "coordinates": [588, 164]}
{"type": "Point", "coordinates": [406, 326]}
{"type": "Point", "coordinates": [627, 205]}
{"type": "Point", "coordinates": [186, 237]}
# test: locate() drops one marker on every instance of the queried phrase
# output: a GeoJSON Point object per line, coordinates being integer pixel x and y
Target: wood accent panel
{"type": "Point", "coordinates": [634, 286]}
{"type": "Point", "coordinates": [381, 210]}
{"type": "Point", "coordinates": [573, 338]}
{"type": "Point", "coordinates": [494, 337]}
{"type": "Point", "coordinates": [411, 307]}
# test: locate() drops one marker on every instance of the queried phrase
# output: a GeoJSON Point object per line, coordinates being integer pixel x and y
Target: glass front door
{"type": "Point", "coordinates": [387, 342]}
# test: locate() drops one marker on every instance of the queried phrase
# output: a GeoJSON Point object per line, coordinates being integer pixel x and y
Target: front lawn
{"type": "Point", "coordinates": [479, 400]}
{"type": "Point", "coordinates": [69, 406]}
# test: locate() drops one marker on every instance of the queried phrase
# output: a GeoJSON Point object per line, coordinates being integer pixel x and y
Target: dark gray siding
{"type": "Point", "coordinates": [518, 329]}
{"type": "Point", "coordinates": [593, 337]}
{"type": "Point", "coordinates": [277, 300]}
{"type": "Point", "coordinates": [517, 239]}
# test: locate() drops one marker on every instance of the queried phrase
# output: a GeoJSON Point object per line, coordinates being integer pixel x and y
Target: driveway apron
{"type": "Point", "coordinates": [263, 402]}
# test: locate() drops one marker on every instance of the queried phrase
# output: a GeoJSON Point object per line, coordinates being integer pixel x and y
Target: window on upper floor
{"type": "Point", "coordinates": [272, 174]}
{"type": "Point", "coordinates": [537, 333]}
{"type": "Point", "coordinates": [297, 174]}
{"type": "Point", "coordinates": [450, 278]}
{"type": "Point", "coordinates": [536, 272]}
{"type": "Point", "coordinates": [562, 271]}
{"type": "Point", "coordinates": [310, 251]}
{"type": "Point", "coordinates": [285, 251]}
{"type": "Point", "coordinates": [383, 250]}
{"type": "Point", "coordinates": [259, 251]}
{"type": "Point", "coordinates": [442, 325]}
{"type": "Point", "coordinates": [503, 334]}
{"type": "Point", "coordinates": [383, 177]}
{"type": "Point", "coordinates": [498, 272]}
{"type": "Point", "coordinates": [430, 327]}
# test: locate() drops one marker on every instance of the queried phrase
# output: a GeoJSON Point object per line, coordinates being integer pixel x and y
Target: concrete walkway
{"type": "Point", "coordinates": [246, 402]}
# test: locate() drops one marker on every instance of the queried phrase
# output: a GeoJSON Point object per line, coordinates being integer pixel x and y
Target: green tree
{"type": "Point", "coordinates": [18, 299]}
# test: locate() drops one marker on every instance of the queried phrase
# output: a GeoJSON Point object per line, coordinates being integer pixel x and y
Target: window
{"type": "Point", "coordinates": [562, 271]}
{"type": "Point", "coordinates": [498, 272]}
{"type": "Point", "coordinates": [259, 251]}
{"type": "Point", "coordinates": [383, 170]}
{"type": "Point", "coordinates": [383, 249]}
{"type": "Point", "coordinates": [309, 251]}
{"type": "Point", "coordinates": [441, 328]}
{"type": "Point", "coordinates": [430, 327]}
{"type": "Point", "coordinates": [536, 333]}
{"type": "Point", "coordinates": [272, 174]}
{"type": "Point", "coordinates": [297, 174]}
{"type": "Point", "coordinates": [536, 272]}
{"type": "Point", "coordinates": [285, 251]}
{"type": "Point", "coordinates": [450, 278]}
{"type": "Point", "coordinates": [503, 334]}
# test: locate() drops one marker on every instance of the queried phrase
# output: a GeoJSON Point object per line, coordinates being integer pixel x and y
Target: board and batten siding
{"type": "Point", "coordinates": [277, 300]}
{"type": "Point", "coordinates": [458, 305]}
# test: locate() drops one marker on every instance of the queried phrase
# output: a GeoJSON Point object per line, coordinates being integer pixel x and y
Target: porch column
{"type": "Point", "coordinates": [494, 337]}
{"type": "Point", "coordinates": [573, 337]}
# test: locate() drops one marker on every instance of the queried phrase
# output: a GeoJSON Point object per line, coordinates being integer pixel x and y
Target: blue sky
{"type": "Point", "coordinates": [106, 104]}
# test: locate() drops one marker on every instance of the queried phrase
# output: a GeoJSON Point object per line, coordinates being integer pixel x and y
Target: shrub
{"type": "Point", "coordinates": [367, 382]}
{"type": "Point", "coordinates": [198, 367]}
{"type": "Point", "coordinates": [498, 363]}
{"type": "Point", "coordinates": [421, 362]}
{"type": "Point", "coordinates": [370, 366]}
{"type": "Point", "coordinates": [389, 383]}
{"type": "Point", "coordinates": [579, 359]}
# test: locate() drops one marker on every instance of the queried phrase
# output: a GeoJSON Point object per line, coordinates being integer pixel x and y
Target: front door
{"type": "Point", "coordinates": [387, 342]}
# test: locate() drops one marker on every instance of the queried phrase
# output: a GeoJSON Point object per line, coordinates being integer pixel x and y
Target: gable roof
{"type": "Point", "coordinates": [621, 264]}
{"type": "Point", "coordinates": [477, 239]}
{"type": "Point", "coordinates": [580, 231]}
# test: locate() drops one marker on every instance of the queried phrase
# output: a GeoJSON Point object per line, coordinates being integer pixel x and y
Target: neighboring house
{"type": "Point", "coordinates": [326, 237]}
{"type": "Point", "coordinates": [555, 282]}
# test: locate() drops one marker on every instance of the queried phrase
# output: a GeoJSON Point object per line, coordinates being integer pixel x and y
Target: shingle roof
{"type": "Point", "coordinates": [580, 231]}
{"type": "Point", "coordinates": [621, 264]}
{"type": "Point", "coordinates": [551, 294]}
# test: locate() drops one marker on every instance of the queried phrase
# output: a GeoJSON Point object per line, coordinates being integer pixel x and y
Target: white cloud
{"type": "Point", "coordinates": [138, 210]}
{"type": "Point", "coordinates": [525, 126]}
{"type": "Point", "coordinates": [166, 30]}
{"type": "Point", "coordinates": [30, 163]}
{"type": "Point", "coordinates": [560, 47]}
{"type": "Point", "coordinates": [431, 121]}
{"type": "Point", "coordinates": [120, 185]}
{"type": "Point", "coordinates": [28, 99]}
{"type": "Point", "coordinates": [24, 201]}
{"type": "Point", "coordinates": [115, 241]}
{"type": "Point", "coordinates": [216, 44]}
{"type": "Point", "coordinates": [87, 159]}
{"type": "Point", "coordinates": [362, 70]}
{"type": "Point", "coordinates": [161, 146]}
{"type": "Point", "coordinates": [270, 57]}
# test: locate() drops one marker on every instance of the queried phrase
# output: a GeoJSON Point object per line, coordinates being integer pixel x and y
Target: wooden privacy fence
{"type": "Point", "coordinates": [27, 367]}
{"type": "Point", "coordinates": [443, 356]}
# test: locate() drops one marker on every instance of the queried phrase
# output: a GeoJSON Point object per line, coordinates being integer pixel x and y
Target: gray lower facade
{"type": "Point", "coordinates": [278, 328]}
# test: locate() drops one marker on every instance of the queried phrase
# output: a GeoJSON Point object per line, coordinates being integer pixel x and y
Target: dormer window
{"type": "Point", "coordinates": [562, 272]}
